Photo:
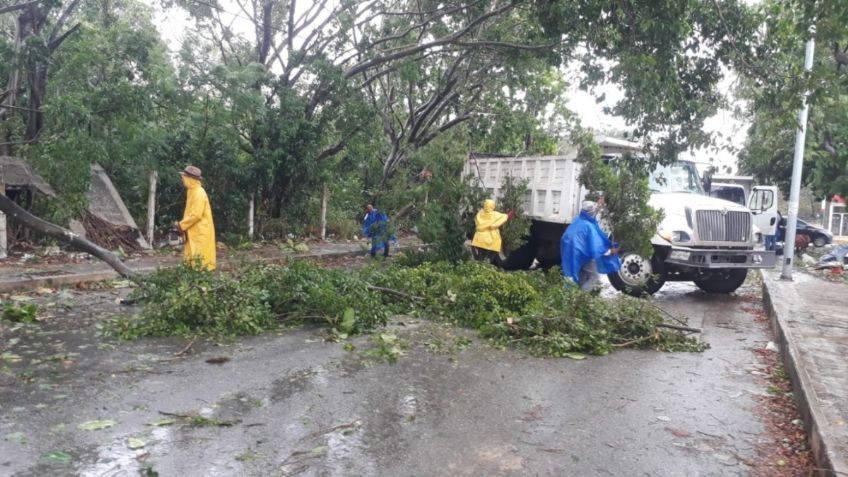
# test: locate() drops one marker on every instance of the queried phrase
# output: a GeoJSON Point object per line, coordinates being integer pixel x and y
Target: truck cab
{"type": "Point", "coordinates": [709, 241]}
{"type": "Point", "coordinates": [706, 240]}
{"type": "Point", "coordinates": [761, 200]}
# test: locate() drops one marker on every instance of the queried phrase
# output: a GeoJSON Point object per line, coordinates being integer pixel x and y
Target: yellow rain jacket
{"type": "Point", "coordinates": [488, 221]}
{"type": "Point", "coordinates": [197, 225]}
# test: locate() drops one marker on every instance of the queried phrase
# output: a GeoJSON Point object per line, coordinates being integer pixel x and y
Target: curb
{"type": "Point", "coordinates": [829, 464]}
{"type": "Point", "coordinates": [65, 279]}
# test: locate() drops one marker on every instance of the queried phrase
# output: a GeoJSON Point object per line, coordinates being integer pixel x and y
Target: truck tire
{"type": "Point", "coordinates": [638, 277]}
{"type": "Point", "coordinates": [726, 281]}
{"type": "Point", "coordinates": [521, 258]}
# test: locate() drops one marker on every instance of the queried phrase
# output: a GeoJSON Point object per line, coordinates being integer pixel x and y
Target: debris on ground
{"type": "Point", "coordinates": [788, 453]}
{"type": "Point", "coordinates": [111, 236]}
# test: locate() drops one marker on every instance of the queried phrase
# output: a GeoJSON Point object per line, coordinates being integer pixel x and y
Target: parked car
{"type": "Point", "coordinates": [818, 236]}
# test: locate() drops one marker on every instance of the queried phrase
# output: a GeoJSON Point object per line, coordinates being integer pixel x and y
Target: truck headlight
{"type": "Point", "coordinates": [680, 236]}
{"type": "Point", "coordinates": [679, 255]}
{"type": "Point", "coordinates": [758, 238]}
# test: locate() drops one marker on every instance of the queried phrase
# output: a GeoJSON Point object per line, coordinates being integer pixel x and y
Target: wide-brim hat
{"type": "Point", "coordinates": [193, 172]}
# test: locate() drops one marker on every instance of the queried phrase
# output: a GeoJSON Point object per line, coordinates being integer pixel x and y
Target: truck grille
{"type": "Point", "coordinates": [720, 226]}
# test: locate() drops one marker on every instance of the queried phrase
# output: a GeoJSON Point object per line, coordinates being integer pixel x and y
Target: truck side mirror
{"type": "Point", "coordinates": [707, 182]}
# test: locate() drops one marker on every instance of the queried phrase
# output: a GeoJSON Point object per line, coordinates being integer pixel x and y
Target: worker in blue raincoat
{"type": "Point", "coordinates": [376, 227]}
{"type": "Point", "coordinates": [586, 250]}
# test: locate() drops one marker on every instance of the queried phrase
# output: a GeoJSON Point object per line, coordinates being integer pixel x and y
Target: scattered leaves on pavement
{"type": "Point", "coordinates": [96, 425]}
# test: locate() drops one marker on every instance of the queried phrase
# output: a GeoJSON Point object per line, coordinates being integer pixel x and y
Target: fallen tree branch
{"type": "Point", "coordinates": [395, 292]}
{"type": "Point", "coordinates": [16, 212]}
{"type": "Point", "coordinates": [679, 328]}
{"type": "Point", "coordinates": [187, 347]}
{"type": "Point", "coordinates": [678, 320]}
{"type": "Point", "coordinates": [174, 414]}
{"type": "Point", "coordinates": [633, 342]}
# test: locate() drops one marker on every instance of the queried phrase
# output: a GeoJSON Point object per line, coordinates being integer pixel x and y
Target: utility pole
{"type": "Point", "coordinates": [797, 166]}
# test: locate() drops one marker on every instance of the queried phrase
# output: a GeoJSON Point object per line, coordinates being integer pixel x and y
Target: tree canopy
{"type": "Point", "coordinates": [775, 83]}
{"type": "Point", "coordinates": [275, 98]}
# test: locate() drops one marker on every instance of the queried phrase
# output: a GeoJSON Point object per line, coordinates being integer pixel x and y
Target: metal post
{"type": "Point", "coordinates": [251, 213]}
{"type": "Point", "coordinates": [325, 199]}
{"type": "Point", "coordinates": [797, 166]}
{"type": "Point", "coordinates": [151, 207]}
{"type": "Point", "coordinates": [3, 241]}
{"type": "Point", "coordinates": [829, 211]}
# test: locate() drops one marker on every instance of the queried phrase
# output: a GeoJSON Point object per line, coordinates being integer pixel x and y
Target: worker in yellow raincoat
{"type": "Point", "coordinates": [487, 237]}
{"type": "Point", "coordinates": [197, 225]}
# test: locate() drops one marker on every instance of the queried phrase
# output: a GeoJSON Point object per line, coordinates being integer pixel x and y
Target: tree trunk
{"type": "Point", "coordinates": [14, 211]}
{"type": "Point", "coordinates": [151, 207]}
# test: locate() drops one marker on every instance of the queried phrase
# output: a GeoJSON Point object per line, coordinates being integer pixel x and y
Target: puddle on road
{"type": "Point", "coordinates": [117, 458]}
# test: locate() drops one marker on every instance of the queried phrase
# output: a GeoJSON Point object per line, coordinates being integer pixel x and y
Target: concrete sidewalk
{"type": "Point", "coordinates": [64, 274]}
{"type": "Point", "coordinates": [809, 318]}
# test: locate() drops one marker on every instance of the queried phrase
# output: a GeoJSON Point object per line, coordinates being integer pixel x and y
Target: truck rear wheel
{"type": "Point", "coordinates": [638, 277]}
{"type": "Point", "coordinates": [725, 281]}
{"type": "Point", "coordinates": [520, 258]}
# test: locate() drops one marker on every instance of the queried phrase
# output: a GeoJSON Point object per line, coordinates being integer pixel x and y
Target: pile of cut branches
{"type": "Point", "coordinates": [110, 236]}
{"type": "Point", "coordinates": [532, 310]}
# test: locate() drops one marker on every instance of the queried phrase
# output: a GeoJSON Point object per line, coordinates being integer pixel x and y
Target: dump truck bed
{"type": "Point", "coordinates": [553, 189]}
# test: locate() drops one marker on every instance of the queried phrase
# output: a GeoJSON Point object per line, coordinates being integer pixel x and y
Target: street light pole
{"type": "Point", "coordinates": [797, 166]}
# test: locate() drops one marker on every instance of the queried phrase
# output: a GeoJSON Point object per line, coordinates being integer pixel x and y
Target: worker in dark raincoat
{"type": "Point", "coordinates": [376, 227]}
{"type": "Point", "coordinates": [586, 250]}
{"type": "Point", "coordinates": [197, 224]}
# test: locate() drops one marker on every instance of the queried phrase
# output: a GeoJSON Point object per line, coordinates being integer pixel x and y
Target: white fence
{"type": "Point", "coordinates": [838, 224]}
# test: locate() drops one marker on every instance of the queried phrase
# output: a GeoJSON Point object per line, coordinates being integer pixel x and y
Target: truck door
{"type": "Point", "coordinates": [763, 204]}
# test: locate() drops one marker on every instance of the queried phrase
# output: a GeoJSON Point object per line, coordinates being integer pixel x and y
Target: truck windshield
{"type": "Point", "coordinates": [677, 177]}
{"type": "Point", "coordinates": [729, 192]}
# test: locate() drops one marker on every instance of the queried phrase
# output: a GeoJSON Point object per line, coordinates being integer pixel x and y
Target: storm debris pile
{"type": "Point", "coordinates": [110, 236]}
{"type": "Point", "coordinates": [531, 310]}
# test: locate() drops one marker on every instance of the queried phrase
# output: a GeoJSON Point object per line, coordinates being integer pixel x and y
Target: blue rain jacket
{"type": "Point", "coordinates": [582, 242]}
{"type": "Point", "coordinates": [376, 227]}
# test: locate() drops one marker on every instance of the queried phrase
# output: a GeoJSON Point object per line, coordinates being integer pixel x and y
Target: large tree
{"type": "Point", "coordinates": [774, 85]}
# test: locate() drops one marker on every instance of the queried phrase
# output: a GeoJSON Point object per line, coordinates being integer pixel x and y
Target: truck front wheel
{"type": "Point", "coordinates": [724, 281]}
{"type": "Point", "coordinates": [638, 276]}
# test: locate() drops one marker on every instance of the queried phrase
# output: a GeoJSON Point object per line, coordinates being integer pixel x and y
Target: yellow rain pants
{"type": "Point", "coordinates": [487, 222]}
{"type": "Point", "coordinates": [197, 225]}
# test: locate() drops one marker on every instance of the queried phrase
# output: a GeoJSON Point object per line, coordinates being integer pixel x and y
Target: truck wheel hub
{"type": "Point", "coordinates": [635, 270]}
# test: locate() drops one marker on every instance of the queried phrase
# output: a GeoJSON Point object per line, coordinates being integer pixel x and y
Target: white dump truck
{"type": "Point", "coordinates": [708, 241]}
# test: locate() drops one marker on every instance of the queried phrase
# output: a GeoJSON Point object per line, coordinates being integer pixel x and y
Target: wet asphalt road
{"type": "Point", "coordinates": [303, 406]}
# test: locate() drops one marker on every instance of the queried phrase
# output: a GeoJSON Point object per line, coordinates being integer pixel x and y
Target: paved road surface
{"type": "Point", "coordinates": [308, 407]}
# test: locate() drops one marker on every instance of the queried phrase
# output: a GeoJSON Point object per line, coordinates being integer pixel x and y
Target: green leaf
{"type": "Point", "coordinates": [348, 321]}
{"type": "Point", "coordinates": [577, 356]}
{"type": "Point", "coordinates": [56, 457]}
{"type": "Point", "coordinates": [17, 437]}
{"type": "Point", "coordinates": [135, 443]}
{"type": "Point", "coordinates": [96, 425]}
{"type": "Point", "coordinates": [163, 422]}
{"type": "Point", "coordinates": [10, 357]}
{"type": "Point", "coordinates": [388, 338]}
